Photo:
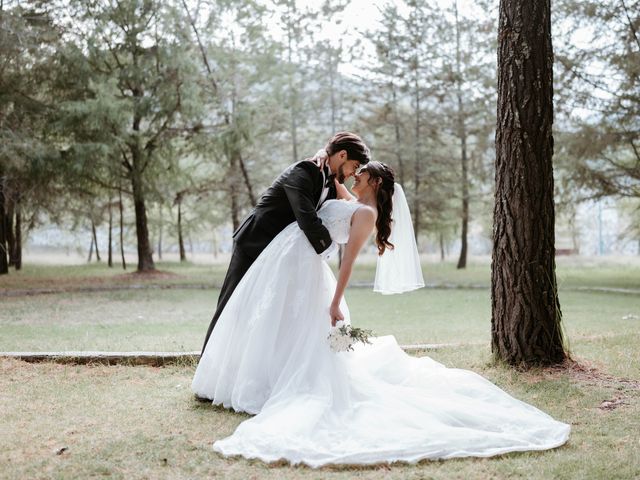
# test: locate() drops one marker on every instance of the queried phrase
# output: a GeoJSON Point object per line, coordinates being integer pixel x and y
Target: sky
{"type": "Point", "coordinates": [364, 15]}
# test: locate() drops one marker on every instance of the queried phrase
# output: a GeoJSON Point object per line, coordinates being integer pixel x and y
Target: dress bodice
{"type": "Point", "coordinates": [336, 216]}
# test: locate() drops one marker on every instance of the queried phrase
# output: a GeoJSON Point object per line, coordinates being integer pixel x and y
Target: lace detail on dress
{"type": "Point", "coordinates": [336, 216]}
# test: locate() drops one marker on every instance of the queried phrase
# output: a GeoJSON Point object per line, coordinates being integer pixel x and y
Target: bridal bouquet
{"type": "Point", "coordinates": [342, 337]}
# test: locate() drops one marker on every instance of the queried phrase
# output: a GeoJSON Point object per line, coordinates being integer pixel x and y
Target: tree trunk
{"type": "Point", "coordinates": [396, 126]}
{"type": "Point", "coordinates": [145, 258]}
{"type": "Point", "coordinates": [17, 261]}
{"type": "Point", "coordinates": [245, 176]}
{"type": "Point", "coordinates": [293, 94]}
{"type": "Point", "coordinates": [235, 207]}
{"type": "Point", "coordinates": [183, 255]}
{"type": "Point", "coordinates": [417, 173]}
{"type": "Point", "coordinates": [4, 264]}
{"type": "Point", "coordinates": [575, 233]}
{"type": "Point", "coordinates": [110, 246]}
{"type": "Point", "coordinates": [525, 316]}
{"type": "Point", "coordinates": [442, 247]}
{"type": "Point", "coordinates": [234, 192]}
{"type": "Point", "coordinates": [160, 236]}
{"type": "Point", "coordinates": [90, 251]}
{"type": "Point", "coordinates": [95, 240]}
{"type": "Point", "coordinates": [8, 228]}
{"type": "Point", "coordinates": [121, 208]}
{"type": "Point", "coordinates": [462, 135]}
{"type": "Point", "coordinates": [332, 91]}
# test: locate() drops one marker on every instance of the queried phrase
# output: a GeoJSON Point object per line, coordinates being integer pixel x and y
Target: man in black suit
{"type": "Point", "coordinates": [294, 196]}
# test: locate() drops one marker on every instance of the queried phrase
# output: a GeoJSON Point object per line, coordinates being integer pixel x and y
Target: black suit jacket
{"type": "Point", "coordinates": [293, 196]}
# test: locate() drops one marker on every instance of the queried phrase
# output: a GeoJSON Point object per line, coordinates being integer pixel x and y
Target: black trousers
{"type": "Point", "coordinates": [238, 266]}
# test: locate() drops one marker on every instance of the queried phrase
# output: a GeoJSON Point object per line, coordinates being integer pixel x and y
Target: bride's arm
{"type": "Point", "coordinates": [342, 193]}
{"type": "Point", "coordinates": [362, 223]}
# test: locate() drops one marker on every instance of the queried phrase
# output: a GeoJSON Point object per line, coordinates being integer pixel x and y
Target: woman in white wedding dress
{"type": "Point", "coordinates": [269, 356]}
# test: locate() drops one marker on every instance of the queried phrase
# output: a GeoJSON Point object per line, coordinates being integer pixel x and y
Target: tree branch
{"type": "Point", "coordinates": [245, 175]}
{"type": "Point", "coordinates": [203, 53]}
{"type": "Point", "coordinates": [633, 30]}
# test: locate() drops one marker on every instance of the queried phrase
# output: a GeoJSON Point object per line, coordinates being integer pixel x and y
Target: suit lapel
{"type": "Point", "coordinates": [325, 193]}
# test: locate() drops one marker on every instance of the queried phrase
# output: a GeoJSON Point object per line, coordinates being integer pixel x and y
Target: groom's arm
{"type": "Point", "coordinates": [299, 187]}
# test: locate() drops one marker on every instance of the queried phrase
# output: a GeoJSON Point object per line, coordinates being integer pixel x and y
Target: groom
{"type": "Point", "coordinates": [295, 195]}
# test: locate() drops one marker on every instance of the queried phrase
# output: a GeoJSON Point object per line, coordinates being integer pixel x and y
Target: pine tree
{"type": "Point", "coordinates": [525, 315]}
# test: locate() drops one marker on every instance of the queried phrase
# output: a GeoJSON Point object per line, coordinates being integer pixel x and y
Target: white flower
{"type": "Point", "coordinates": [340, 340]}
{"type": "Point", "coordinates": [343, 336]}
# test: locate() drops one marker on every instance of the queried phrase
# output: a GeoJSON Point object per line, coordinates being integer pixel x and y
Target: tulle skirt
{"type": "Point", "coordinates": [269, 356]}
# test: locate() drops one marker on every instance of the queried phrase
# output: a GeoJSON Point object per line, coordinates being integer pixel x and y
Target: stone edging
{"type": "Point", "coordinates": [154, 359]}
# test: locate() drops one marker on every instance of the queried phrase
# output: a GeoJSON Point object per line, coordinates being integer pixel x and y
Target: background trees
{"type": "Point", "coordinates": [598, 72]}
{"type": "Point", "coordinates": [599, 76]}
{"type": "Point", "coordinates": [28, 39]}
{"type": "Point", "coordinates": [141, 96]}
{"type": "Point", "coordinates": [187, 110]}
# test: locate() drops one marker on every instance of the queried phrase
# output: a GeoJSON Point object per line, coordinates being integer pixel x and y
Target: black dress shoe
{"type": "Point", "coordinates": [198, 398]}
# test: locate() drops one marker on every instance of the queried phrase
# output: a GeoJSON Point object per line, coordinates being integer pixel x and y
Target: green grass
{"type": "Point", "coordinates": [141, 422]}
{"type": "Point", "coordinates": [176, 319]}
{"type": "Point", "coordinates": [572, 273]}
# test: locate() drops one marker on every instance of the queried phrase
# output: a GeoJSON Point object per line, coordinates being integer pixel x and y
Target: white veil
{"type": "Point", "coordinates": [399, 270]}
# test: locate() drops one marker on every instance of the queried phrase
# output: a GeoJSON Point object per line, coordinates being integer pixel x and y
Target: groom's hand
{"type": "Point", "coordinates": [328, 253]}
{"type": "Point", "coordinates": [320, 158]}
{"type": "Point", "coordinates": [336, 314]}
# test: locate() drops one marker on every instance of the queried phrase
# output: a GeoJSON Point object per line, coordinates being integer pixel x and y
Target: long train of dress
{"type": "Point", "coordinates": [269, 356]}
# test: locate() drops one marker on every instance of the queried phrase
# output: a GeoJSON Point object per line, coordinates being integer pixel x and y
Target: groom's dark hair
{"type": "Point", "coordinates": [352, 143]}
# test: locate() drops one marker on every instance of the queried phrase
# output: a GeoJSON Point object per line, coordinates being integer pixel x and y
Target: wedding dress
{"type": "Point", "coordinates": [269, 356]}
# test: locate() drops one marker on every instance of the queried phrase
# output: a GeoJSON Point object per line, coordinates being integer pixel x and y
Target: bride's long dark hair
{"type": "Point", "coordinates": [382, 178]}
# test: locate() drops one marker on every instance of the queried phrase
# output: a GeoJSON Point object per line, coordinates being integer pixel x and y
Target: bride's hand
{"type": "Point", "coordinates": [336, 314]}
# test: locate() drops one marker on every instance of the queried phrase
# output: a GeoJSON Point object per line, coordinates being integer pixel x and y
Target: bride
{"type": "Point", "coordinates": [269, 356]}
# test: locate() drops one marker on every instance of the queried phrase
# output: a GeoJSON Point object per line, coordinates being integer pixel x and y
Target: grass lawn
{"type": "Point", "coordinates": [141, 422]}
{"type": "Point", "coordinates": [572, 272]}
{"type": "Point", "coordinates": [599, 325]}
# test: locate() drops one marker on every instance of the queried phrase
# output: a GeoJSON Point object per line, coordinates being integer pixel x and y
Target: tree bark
{"type": "Point", "coordinates": [95, 240]}
{"type": "Point", "coordinates": [160, 236]}
{"type": "Point", "coordinates": [8, 228]}
{"type": "Point", "coordinates": [396, 127]}
{"type": "Point", "coordinates": [145, 258]}
{"type": "Point", "coordinates": [121, 209]}
{"type": "Point", "coordinates": [234, 192]}
{"type": "Point", "coordinates": [442, 256]}
{"type": "Point", "coordinates": [235, 207]}
{"type": "Point", "coordinates": [293, 94]}
{"type": "Point", "coordinates": [183, 255]}
{"type": "Point", "coordinates": [90, 250]}
{"type": "Point", "coordinates": [17, 260]}
{"type": "Point", "coordinates": [525, 315]}
{"type": "Point", "coordinates": [417, 170]}
{"type": "Point", "coordinates": [245, 176]}
{"type": "Point", "coordinates": [462, 135]}
{"type": "Point", "coordinates": [110, 246]}
{"type": "Point", "coordinates": [332, 91]}
{"type": "Point", "coordinates": [4, 264]}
